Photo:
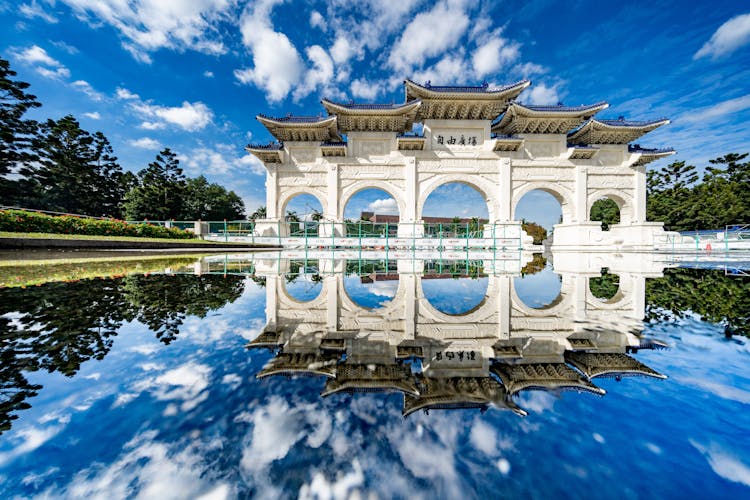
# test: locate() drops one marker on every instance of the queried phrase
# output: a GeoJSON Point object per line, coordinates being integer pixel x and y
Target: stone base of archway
{"type": "Point", "coordinates": [589, 236]}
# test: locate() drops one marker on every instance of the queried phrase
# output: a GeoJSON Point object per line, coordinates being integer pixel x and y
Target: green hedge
{"type": "Point", "coordinates": [32, 222]}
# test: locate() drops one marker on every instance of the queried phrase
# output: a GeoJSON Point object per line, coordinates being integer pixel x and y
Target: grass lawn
{"type": "Point", "coordinates": [5, 234]}
{"type": "Point", "coordinates": [21, 273]}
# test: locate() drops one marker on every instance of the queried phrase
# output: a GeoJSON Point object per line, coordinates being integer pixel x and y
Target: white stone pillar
{"type": "Point", "coordinates": [580, 211]}
{"type": "Point", "coordinates": [272, 194]}
{"type": "Point", "coordinates": [409, 283]}
{"type": "Point", "coordinates": [639, 195]}
{"type": "Point", "coordinates": [505, 191]}
{"type": "Point", "coordinates": [410, 221]}
{"type": "Point", "coordinates": [331, 289]}
{"type": "Point", "coordinates": [503, 305]}
{"type": "Point", "coordinates": [331, 223]}
{"type": "Point", "coordinates": [273, 289]}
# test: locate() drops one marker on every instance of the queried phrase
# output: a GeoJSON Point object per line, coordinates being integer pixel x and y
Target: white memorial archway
{"type": "Point", "coordinates": [479, 136]}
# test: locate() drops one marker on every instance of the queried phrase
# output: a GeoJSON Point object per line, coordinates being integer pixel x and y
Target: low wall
{"type": "Point", "coordinates": [36, 243]}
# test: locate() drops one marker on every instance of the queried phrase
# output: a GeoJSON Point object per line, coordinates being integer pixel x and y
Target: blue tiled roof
{"type": "Point", "coordinates": [271, 146]}
{"type": "Point", "coordinates": [353, 105]}
{"type": "Point", "coordinates": [333, 143]}
{"type": "Point", "coordinates": [503, 136]}
{"type": "Point", "coordinates": [411, 135]}
{"type": "Point", "coordinates": [468, 88]}
{"type": "Point", "coordinates": [295, 119]}
{"type": "Point", "coordinates": [636, 148]}
{"type": "Point", "coordinates": [621, 122]}
{"type": "Point", "coordinates": [561, 108]}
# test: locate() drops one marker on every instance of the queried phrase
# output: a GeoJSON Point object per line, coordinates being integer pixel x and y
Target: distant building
{"type": "Point", "coordinates": [393, 219]}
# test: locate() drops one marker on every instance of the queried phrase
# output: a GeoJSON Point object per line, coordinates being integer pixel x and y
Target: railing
{"type": "Point", "coordinates": [352, 234]}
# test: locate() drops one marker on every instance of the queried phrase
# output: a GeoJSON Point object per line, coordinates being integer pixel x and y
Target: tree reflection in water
{"type": "Point", "coordinates": [58, 326]}
{"type": "Point", "coordinates": [714, 295]}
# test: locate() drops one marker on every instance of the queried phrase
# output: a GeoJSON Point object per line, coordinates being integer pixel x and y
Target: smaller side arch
{"type": "Point", "coordinates": [561, 194]}
{"type": "Point", "coordinates": [288, 195]}
{"type": "Point", "coordinates": [623, 200]}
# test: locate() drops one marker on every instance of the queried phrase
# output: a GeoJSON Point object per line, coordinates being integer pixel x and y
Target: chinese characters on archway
{"type": "Point", "coordinates": [456, 355]}
{"type": "Point", "coordinates": [461, 140]}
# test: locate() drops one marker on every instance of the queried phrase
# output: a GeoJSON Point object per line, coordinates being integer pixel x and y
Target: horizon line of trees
{"type": "Point", "coordinates": [56, 165]}
{"type": "Point", "coordinates": [684, 200]}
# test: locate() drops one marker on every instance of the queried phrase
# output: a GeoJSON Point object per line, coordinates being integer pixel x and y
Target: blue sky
{"type": "Point", "coordinates": [193, 75]}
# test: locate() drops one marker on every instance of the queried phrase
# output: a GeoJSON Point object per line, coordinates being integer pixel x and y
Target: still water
{"type": "Point", "coordinates": [275, 376]}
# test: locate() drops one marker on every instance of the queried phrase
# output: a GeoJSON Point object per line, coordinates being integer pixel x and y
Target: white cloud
{"type": "Point", "coordinates": [33, 9]}
{"type": "Point", "coordinates": [148, 25]}
{"type": "Point", "coordinates": [145, 143]}
{"type": "Point", "coordinates": [37, 55]}
{"type": "Point", "coordinates": [493, 55]}
{"type": "Point", "coordinates": [342, 50]}
{"type": "Point", "coordinates": [145, 468]}
{"type": "Point", "coordinates": [366, 89]}
{"type": "Point", "coordinates": [208, 74]}
{"type": "Point", "coordinates": [317, 20]}
{"type": "Point", "coordinates": [484, 438]}
{"type": "Point", "coordinates": [722, 109]}
{"type": "Point", "coordinates": [724, 463]}
{"type": "Point", "coordinates": [447, 70]}
{"type": "Point", "coordinates": [277, 428]}
{"type": "Point", "coordinates": [93, 115]}
{"type": "Point", "coordinates": [66, 47]}
{"type": "Point", "coordinates": [86, 88]}
{"type": "Point", "coordinates": [429, 34]}
{"type": "Point", "coordinates": [55, 74]}
{"type": "Point", "coordinates": [528, 69]}
{"type": "Point", "coordinates": [541, 94]}
{"type": "Point", "coordinates": [125, 94]}
{"type": "Point", "coordinates": [30, 439]}
{"type": "Point", "coordinates": [277, 66]}
{"type": "Point", "coordinates": [189, 116]}
{"type": "Point", "coordinates": [320, 75]}
{"type": "Point", "coordinates": [152, 125]}
{"type": "Point", "coordinates": [730, 36]}
{"type": "Point", "coordinates": [219, 160]}
{"type": "Point", "coordinates": [42, 62]}
{"type": "Point", "coordinates": [383, 206]}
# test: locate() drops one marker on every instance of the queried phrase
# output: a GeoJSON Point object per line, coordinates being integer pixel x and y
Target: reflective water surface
{"type": "Point", "coordinates": [322, 376]}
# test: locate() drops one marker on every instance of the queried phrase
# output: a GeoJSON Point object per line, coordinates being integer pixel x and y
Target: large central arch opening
{"type": "Point", "coordinates": [371, 212]}
{"type": "Point", "coordinates": [455, 288]}
{"type": "Point", "coordinates": [455, 210]}
{"type": "Point", "coordinates": [371, 284]}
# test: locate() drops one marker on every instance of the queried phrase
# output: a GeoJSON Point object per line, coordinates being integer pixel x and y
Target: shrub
{"type": "Point", "coordinates": [33, 222]}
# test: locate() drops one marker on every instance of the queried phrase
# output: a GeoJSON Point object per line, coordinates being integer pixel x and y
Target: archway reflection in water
{"type": "Point", "coordinates": [540, 287]}
{"type": "Point", "coordinates": [187, 382]}
{"type": "Point", "coordinates": [454, 287]}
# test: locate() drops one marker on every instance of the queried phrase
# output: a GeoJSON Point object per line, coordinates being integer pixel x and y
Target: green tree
{"type": "Point", "coordinates": [684, 201]}
{"type": "Point", "coordinates": [535, 231]}
{"type": "Point", "coordinates": [208, 201]}
{"type": "Point", "coordinates": [260, 213]}
{"type": "Point", "coordinates": [111, 183]}
{"type": "Point", "coordinates": [160, 191]}
{"type": "Point", "coordinates": [16, 133]}
{"type": "Point", "coordinates": [63, 177]}
{"type": "Point", "coordinates": [606, 211]}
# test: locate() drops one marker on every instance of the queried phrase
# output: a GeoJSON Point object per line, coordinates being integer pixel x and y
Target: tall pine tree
{"type": "Point", "coordinates": [16, 132]}
{"type": "Point", "coordinates": [160, 191]}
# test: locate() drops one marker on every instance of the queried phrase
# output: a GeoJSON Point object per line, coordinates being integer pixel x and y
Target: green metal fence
{"type": "Point", "coordinates": [413, 234]}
